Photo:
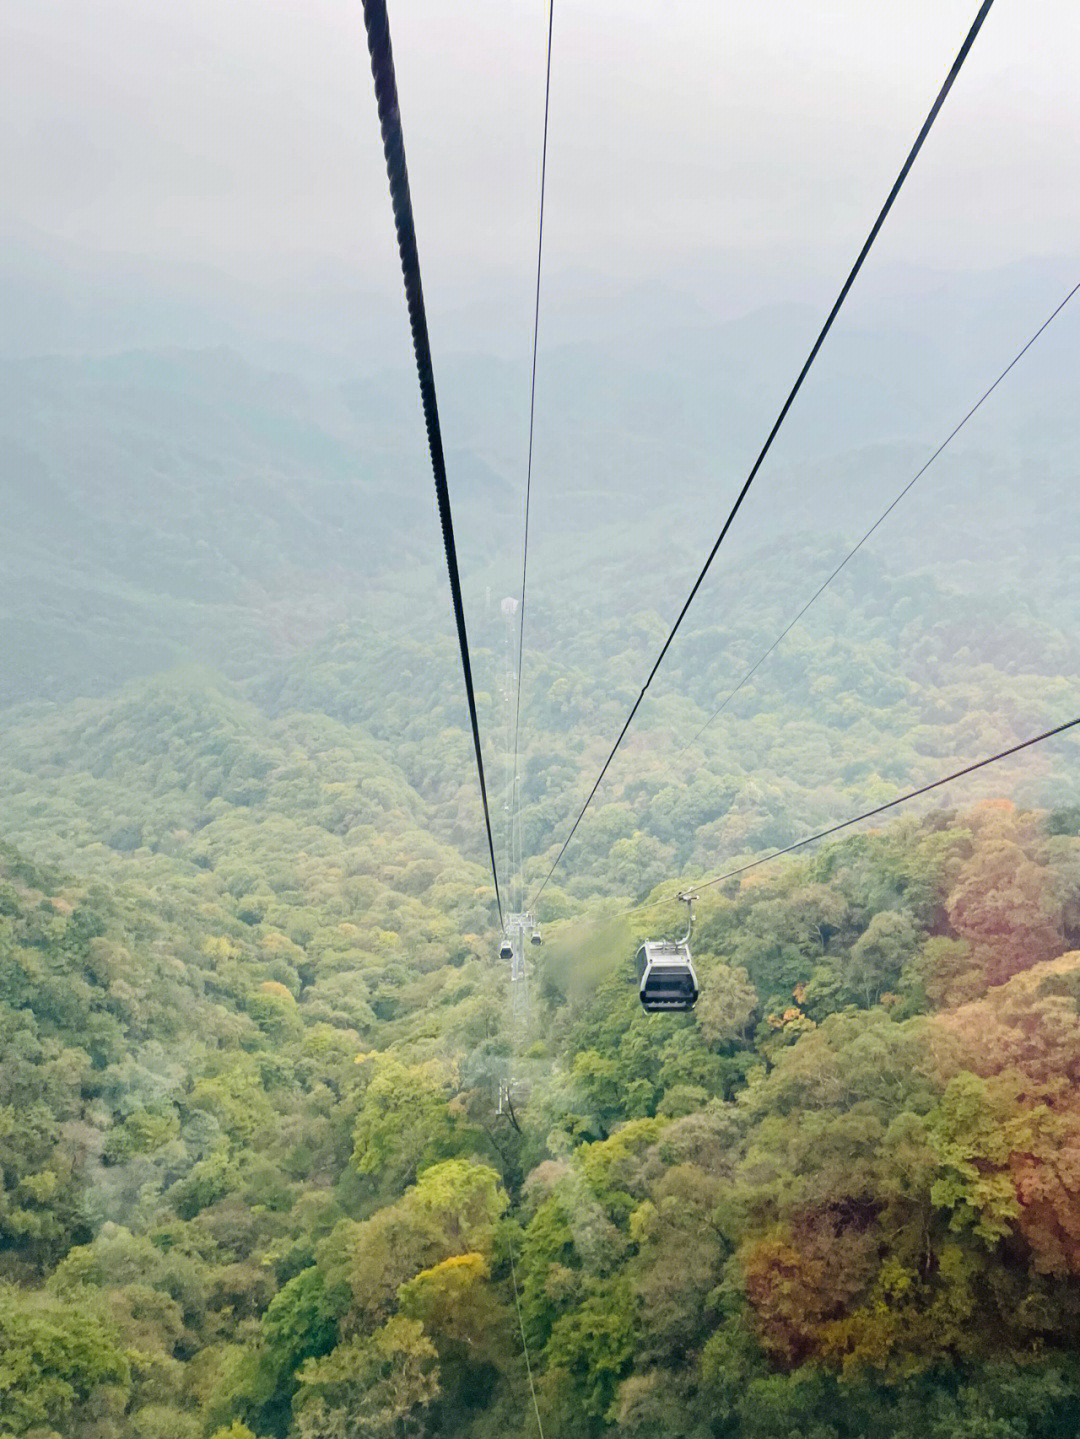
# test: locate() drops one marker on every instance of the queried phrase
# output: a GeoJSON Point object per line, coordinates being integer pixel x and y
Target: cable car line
{"type": "Point", "coordinates": [524, 1341]}
{"type": "Point", "coordinates": [666, 978]}
{"type": "Point", "coordinates": [881, 808]}
{"type": "Point", "coordinates": [883, 516]}
{"type": "Point", "coordinates": [935, 108]}
{"type": "Point", "coordinates": [515, 800]}
{"type": "Point", "coordinates": [382, 71]}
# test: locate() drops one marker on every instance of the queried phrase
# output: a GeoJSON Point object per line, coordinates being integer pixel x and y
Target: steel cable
{"type": "Point", "coordinates": [532, 426]}
{"type": "Point", "coordinates": [524, 1340]}
{"type": "Point", "coordinates": [880, 519]}
{"type": "Point", "coordinates": [881, 808]}
{"type": "Point", "coordinates": [957, 65]}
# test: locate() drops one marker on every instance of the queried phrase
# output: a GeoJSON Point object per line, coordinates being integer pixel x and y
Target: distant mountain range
{"type": "Point", "coordinates": [180, 499]}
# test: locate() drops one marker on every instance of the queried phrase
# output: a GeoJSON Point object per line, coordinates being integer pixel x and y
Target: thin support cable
{"type": "Point", "coordinates": [957, 64]}
{"type": "Point", "coordinates": [881, 808]}
{"type": "Point", "coordinates": [524, 1341]}
{"type": "Point", "coordinates": [882, 517]}
{"type": "Point", "coordinates": [532, 426]}
{"type": "Point", "coordinates": [382, 71]}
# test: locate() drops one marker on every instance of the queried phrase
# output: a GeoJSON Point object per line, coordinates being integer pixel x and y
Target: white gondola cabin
{"type": "Point", "coordinates": [666, 976]}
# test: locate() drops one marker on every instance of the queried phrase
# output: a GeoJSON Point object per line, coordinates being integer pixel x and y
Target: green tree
{"type": "Point", "coordinates": [594, 1344]}
{"type": "Point", "coordinates": [403, 1123]}
{"type": "Point", "coordinates": [58, 1364]}
{"type": "Point", "coordinates": [367, 1388]}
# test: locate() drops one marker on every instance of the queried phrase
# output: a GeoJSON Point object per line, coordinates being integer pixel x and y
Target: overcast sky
{"type": "Point", "coordinates": [244, 133]}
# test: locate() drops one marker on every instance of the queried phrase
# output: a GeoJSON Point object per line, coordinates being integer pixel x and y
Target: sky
{"type": "Point", "coordinates": [687, 139]}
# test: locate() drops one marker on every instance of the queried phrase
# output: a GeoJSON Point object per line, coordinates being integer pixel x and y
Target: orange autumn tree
{"type": "Point", "coordinates": [1007, 903]}
{"type": "Point", "coordinates": [1023, 1040]}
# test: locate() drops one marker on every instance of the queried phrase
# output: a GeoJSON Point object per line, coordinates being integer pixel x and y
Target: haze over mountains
{"type": "Point", "coordinates": [206, 451]}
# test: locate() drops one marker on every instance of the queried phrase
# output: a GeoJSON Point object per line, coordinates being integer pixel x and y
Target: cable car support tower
{"type": "Point", "coordinates": [520, 927]}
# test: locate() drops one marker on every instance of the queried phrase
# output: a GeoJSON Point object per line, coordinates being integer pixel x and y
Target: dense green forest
{"type": "Point", "coordinates": [253, 1025]}
{"type": "Point", "coordinates": [253, 1184]}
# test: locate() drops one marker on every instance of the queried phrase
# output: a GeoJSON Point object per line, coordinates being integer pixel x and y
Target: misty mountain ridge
{"type": "Point", "coordinates": [147, 489]}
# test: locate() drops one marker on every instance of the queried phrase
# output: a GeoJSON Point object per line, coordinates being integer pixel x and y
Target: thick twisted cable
{"type": "Point", "coordinates": [382, 71]}
{"type": "Point", "coordinates": [957, 64]}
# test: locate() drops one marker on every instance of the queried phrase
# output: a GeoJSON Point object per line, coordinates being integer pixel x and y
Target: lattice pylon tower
{"type": "Point", "coordinates": [513, 1092]}
{"type": "Point", "coordinates": [519, 928]}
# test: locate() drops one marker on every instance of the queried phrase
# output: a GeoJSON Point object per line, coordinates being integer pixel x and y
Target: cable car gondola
{"type": "Point", "coordinates": [665, 970]}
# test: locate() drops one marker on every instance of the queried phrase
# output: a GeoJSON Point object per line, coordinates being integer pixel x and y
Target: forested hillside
{"type": "Point", "coordinates": [253, 1184]}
